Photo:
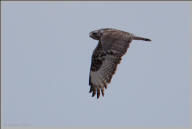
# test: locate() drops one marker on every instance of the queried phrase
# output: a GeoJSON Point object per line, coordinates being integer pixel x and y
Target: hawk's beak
{"type": "Point", "coordinates": [90, 34]}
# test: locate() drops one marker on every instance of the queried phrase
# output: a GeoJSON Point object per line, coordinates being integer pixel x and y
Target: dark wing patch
{"type": "Point", "coordinates": [97, 58]}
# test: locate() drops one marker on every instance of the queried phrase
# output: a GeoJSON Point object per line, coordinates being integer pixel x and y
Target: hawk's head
{"type": "Point", "coordinates": [96, 34]}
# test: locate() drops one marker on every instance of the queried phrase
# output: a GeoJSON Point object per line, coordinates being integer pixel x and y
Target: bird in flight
{"type": "Point", "coordinates": [107, 55]}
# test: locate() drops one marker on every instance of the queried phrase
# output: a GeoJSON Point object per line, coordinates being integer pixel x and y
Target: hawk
{"type": "Point", "coordinates": [113, 44]}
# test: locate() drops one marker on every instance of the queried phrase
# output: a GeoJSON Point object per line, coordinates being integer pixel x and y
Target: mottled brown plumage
{"type": "Point", "coordinates": [113, 44]}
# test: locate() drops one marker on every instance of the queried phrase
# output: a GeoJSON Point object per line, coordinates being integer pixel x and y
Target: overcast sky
{"type": "Point", "coordinates": [46, 56]}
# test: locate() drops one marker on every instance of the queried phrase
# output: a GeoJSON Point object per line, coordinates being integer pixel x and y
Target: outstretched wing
{"type": "Point", "coordinates": [102, 69]}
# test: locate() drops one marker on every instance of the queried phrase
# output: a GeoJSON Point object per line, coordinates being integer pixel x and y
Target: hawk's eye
{"type": "Point", "coordinates": [94, 33]}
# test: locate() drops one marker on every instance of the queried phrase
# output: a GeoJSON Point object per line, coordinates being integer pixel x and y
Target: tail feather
{"type": "Point", "coordinates": [141, 38]}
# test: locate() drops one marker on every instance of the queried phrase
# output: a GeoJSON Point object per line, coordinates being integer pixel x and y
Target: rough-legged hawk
{"type": "Point", "coordinates": [107, 55]}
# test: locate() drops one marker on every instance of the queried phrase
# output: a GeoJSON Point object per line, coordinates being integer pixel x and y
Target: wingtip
{"type": "Point", "coordinates": [148, 40]}
{"type": "Point", "coordinates": [141, 38]}
{"type": "Point", "coordinates": [93, 95]}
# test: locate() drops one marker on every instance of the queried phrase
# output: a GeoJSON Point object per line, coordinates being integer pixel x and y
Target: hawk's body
{"type": "Point", "coordinates": [107, 55]}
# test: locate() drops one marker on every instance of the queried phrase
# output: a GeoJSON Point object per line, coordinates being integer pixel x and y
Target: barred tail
{"type": "Point", "coordinates": [141, 38]}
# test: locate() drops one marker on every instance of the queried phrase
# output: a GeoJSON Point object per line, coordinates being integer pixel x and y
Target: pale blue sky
{"type": "Point", "coordinates": [46, 56]}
